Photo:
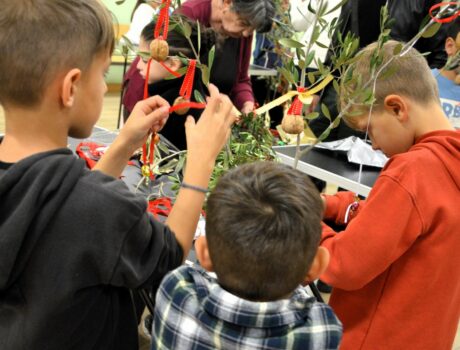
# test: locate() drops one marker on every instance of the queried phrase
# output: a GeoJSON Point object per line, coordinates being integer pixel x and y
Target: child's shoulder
{"type": "Point", "coordinates": [186, 277]}
{"type": "Point", "coordinates": [430, 155]}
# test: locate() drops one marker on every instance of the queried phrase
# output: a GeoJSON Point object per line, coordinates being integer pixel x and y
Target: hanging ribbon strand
{"type": "Point", "coordinates": [187, 85]}
{"type": "Point", "coordinates": [163, 21]}
{"type": "Point", "coordinates": [147, 158]}
{"type": "Point", "coordinates": [182, 104]}
{"type": "Point", "coordinates": [159, 49]}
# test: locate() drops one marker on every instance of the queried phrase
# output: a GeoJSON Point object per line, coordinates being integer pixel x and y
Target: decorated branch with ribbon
{"type": "Point", "coordinates": [159, 49]}
{"type": "Point", "coordinates": [292, 122]}
{"type": "Point", "coordinates": [182, 104]}
{"type": "Point", "coordinates": [147, 157]}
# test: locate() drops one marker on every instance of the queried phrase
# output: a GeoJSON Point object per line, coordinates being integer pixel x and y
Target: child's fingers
{"type": "Point", "coordinates": [213, 100]}
{"type": "Point", "coordinates": [154, 102]}
{"type": "Point", "coordinates": [156, 119]}
{"type": "Point", "coordinates": [226, 108]}
{"type": "Point", "coordinates": [189, 125]}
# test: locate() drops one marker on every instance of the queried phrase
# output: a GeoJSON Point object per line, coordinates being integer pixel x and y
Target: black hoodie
{"type": "Point", "coordinates": [71, 244]}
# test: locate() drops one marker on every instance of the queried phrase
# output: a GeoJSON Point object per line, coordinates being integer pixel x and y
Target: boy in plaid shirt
{"type": "Point", "coordinates": [262, 235]}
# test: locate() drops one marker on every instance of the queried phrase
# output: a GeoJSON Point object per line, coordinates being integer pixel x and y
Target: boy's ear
{"type": "Point", "coordinates": [202, 253]}
{"type": "Point", "coordinates": [397, 106]}
{"type": "Point", "coordinates": [69, 87]}
{"type": "Point", "coordinates": [319, 265]}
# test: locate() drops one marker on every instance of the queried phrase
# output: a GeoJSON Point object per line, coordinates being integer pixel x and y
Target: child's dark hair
{"type": "Point", "coordinates": [263, 229]}
{"type": "Point", "coordinates": [453, 28]}
{"type": "Point", "coordinates": [178, 43]}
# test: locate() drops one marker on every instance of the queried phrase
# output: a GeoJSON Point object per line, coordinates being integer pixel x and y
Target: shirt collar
{"type": "Point", "coordinates": [231, 308]}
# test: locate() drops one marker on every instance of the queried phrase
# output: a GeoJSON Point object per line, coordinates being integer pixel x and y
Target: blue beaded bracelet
{"type": "Point", "coordinates": [195, 188]}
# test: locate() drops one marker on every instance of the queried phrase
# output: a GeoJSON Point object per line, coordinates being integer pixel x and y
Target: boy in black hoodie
{"type": "Point", "coordinates": [72, 241]}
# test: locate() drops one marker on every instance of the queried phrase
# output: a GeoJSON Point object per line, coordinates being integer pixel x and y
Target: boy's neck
{"type": "Point", "coordinates": [429, 118]}
{"type": "Point", "coordinates": [448, 74]}
{"type": "Point", "coordinates": [29, 131]}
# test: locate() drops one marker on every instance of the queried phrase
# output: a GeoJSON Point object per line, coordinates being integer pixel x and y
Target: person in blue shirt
{"type": "Point", "coordinates": [448, 78]}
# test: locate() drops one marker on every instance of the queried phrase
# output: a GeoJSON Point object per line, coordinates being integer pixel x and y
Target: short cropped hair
{"type": "Point", "coordinates": [259, 13]}
{"type": "Point", "coordinates": [263, 228]}
{"type": "Point", "coordinates": [408, 75]}
{"type": "Point", "coordinates": [41, 38]}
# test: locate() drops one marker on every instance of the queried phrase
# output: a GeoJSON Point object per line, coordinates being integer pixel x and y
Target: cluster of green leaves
{"type": "Point", "coordinates": [250, 141]}
{"type": "Point", "coordinates": [165, 161]}
{"type": "Point", "coordinates": [303, 55]}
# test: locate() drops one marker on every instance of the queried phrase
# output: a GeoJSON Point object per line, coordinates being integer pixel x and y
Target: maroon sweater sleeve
{"type": "Point", "coordinates": [242, 90]}
{"type": "Point", "coordinates": [197, 10]}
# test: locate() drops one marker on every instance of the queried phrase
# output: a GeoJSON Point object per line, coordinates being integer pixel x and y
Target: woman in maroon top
{"type": "Point", "coordinates": [235, 20]}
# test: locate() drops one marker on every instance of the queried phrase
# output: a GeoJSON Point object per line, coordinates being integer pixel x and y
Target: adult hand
{"type": "Point", "coordinates": [149, 115]}
{"type": "Point", "coordinates": [248, 107]}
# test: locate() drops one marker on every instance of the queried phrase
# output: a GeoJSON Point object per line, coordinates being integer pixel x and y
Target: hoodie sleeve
{"type": "Point", "coordinates": [376, 238]}
{"type": "Point", "coordinates": [120, 243]}
{"type": "Point", "coordinates": [149, 251]}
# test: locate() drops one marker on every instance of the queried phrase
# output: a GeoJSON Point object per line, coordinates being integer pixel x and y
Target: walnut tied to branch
{"type": "Point", "coordinates": [292, 124]}
{"type": "Point", "coordinates": [159, 50]}
{"type": "Point", "coordinates": [180, 100]}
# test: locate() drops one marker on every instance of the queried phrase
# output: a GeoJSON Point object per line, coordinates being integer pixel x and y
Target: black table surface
{"type": "Point", "coordinates": [335, 162]}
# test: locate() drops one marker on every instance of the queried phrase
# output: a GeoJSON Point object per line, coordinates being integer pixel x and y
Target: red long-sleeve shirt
{"type": "Point", "coordinates": [395, 269]}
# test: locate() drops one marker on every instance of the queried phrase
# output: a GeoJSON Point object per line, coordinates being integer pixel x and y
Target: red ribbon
{"type": "Point", "coordinates": [146, 82]}
{"type": "Point", "coordinates": [297, 105]}
{"type": "Point", "coordinates": [173, 72]}
{"type": "Point", "coordinates": [152, 139]}
{"type": "Point", "coordinates": [163, 20]}
{"type": "Point", "coordinates": [160, 206]}
{"type": "Point", "coordinates": [195, 105]}
{"type": "Point", "coordinates": [163, 206]}
{"type": "Point", "coordinates": [446, 19]}
{"type": "Point", "coordinates": [186, 90]}
{"type": "Point", "coordinates": [187, 84]}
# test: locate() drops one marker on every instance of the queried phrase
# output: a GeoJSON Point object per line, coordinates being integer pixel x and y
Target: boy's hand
{"type": "Point", "coordinates": [206, 138]}
{"type": "Point", "coordinates": [148, 115]}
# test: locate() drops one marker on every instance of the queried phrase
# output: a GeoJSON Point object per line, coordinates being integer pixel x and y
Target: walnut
{"type": "Point", "coordinates": [180, 100]}
{"type": "Point", "coordinates": [159, 50]}
{"type": "Point", "coordinates": [293, 124]}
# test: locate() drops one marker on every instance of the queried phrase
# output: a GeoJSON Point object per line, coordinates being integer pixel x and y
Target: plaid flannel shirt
{"type": "Point", "coordinates": [193, 312]}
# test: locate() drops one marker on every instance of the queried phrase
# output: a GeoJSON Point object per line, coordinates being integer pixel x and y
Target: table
{"type": "Point", "coordinates": [131, 175]}
{"type": "Point", "coordinates": [331, 166]}
{"type": "Point", "coordinates": [256, 70]}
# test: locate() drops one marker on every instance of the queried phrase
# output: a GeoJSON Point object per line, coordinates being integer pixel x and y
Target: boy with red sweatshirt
{"type": "Point", "coordinates": [387, 265]}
